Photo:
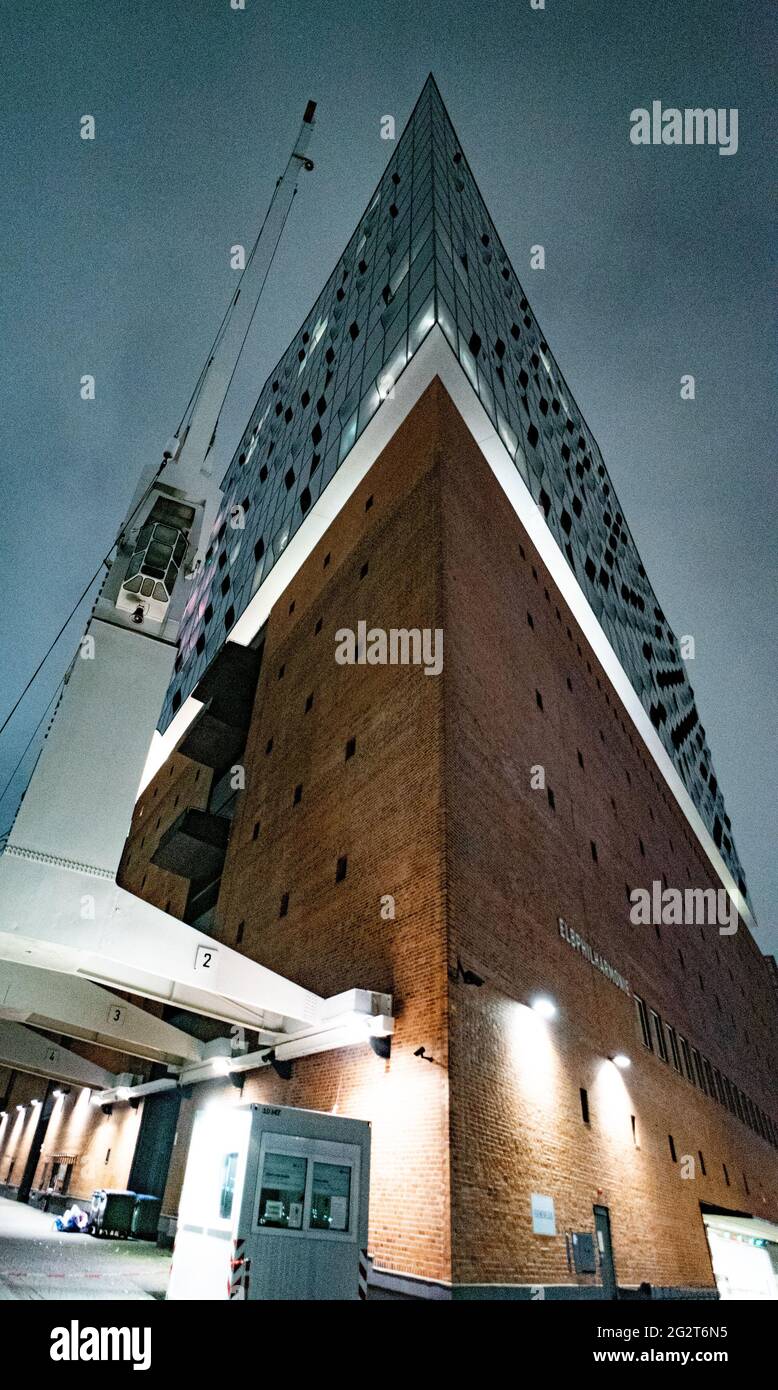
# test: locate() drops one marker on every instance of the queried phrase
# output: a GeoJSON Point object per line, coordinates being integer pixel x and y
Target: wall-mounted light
{"type": "Point", "coordinates": [621, 1060]}
{"type": "Point", "coordinates": [543, 1006]}
{"type": "Point", "coordinates": [382, 1047]}
{"type": "Point", "coordinates": [123, 1093]}
{"type": "Point", "coordinates": [107, 1109]}
{"type": "Point", "coordinates": [221, 1065]}
{"type": "Point", "coordinates": [20, 1108]}
{"type": "Point", "coordinates": [34, 1102]}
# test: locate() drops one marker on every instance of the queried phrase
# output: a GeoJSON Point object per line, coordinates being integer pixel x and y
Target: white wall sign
{"type": "Point", "coordinates": [543, 1215]}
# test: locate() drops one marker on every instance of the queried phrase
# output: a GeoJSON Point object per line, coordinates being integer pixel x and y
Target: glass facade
{"type": "Point", "coordinates": [427, 251]}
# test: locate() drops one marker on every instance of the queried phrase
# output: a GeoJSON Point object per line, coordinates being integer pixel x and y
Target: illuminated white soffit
{"type": "Point", "coordinates": [23, 1050]}
{"type": "Point", "coordinates": [77, 1008]}
{"type": "Point", "coordinates": [435, 358]}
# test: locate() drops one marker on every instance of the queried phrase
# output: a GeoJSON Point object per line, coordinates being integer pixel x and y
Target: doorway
{"type": "Point", "coordinates": [602, 1226]}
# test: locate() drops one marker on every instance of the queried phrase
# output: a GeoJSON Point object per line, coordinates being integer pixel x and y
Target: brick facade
{"type": "Point", "coordinates": [436, 810]}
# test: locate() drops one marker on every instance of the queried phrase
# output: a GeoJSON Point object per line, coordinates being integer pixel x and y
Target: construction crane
{"type": "Point", "coordinates": [61, 910]}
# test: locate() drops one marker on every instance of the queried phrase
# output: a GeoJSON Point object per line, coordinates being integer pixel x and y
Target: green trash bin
{"type": "Point", "coordinates": [145, 1216]}
{"type": "Point", "coordinates": [110, 1213]}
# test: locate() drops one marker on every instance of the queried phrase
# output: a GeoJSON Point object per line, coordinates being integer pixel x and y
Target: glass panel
{"type": "Point", "coordinates": [155, 561]}
{"type": "Point", "coordinates": [331, 1197]}
{"type": "Point", "coordinates": [283, 1191]}
{"type": "Point", "coordinates": [229, 1169]}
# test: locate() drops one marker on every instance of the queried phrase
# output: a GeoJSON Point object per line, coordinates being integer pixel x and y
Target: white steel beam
{"type": "Point", "coordinates": [27, 1051]}
{"type": "Point", "coordinates": [62, 917]}
{"type": "Point", "coordinates": [80, 1009]}
{"type": "Point", "coordinates": [348, 1020]}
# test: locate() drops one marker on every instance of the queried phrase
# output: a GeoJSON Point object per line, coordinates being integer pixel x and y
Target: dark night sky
{"type": "Point", "coordinates": [657, 265]}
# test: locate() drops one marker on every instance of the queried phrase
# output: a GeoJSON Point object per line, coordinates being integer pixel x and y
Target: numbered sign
{"type": "Point", "coordinates": [116, 1014]}
{"type": "Point", "coordinates": [205, 960]}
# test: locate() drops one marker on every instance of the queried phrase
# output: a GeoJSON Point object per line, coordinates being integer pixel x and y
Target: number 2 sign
{"type": "Point", "coordinates": [205, 960]}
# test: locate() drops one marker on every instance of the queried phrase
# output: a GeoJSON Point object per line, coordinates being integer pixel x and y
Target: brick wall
{"type": "Point", "coordinates": [515, 865]}
{"type": "Point", "coordinates": [435, 809]}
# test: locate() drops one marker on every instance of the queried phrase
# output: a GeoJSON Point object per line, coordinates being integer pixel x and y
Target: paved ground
{"type": "Point", "coordinates": [38, 1262]}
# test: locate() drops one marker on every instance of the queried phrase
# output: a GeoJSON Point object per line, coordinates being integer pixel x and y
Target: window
{"type": "Point", "coordinates": [317, 628]}
{"type": "Point", "coordinates": [726, 1174]}
{"type": "Point", "coordinates": [309, 703]}
{"type": "Point", "coordinates": [364, 570]}
{"type": "Point", "coordinates": [584, 1094]}
{"type": "Point", "coordinates": [239, 933]}
{"type": "Point", "coordinates": [659, 1034]}
{"type": "Point", "coordinates": [698, 1071]}
{"type": "Point", "coordinates": [298, 794]}
{"type": "Point", "coordinates": [351, 748]}
{"type": "Point", "coordinates": [710, 1083]}
{"type": "Point", "coordinates": [530, 619]}
{"type": "Point", "coordinates": [687, 1059]}
{"type": "Point", "coordinates": [538, 699]}
{"type": "Point", "coordinates": [330, 1197]}
{"type": "Point", "coordinates": [671, 1142]}
{"type": "Point", "coordinates": [643, 1020]}
{"type": "Point", "coordinates": [282, 1194]}
{"type": "Point", "coordinates": [229, 1169]}
{"type": "Point", "coordinates": [551, 800]}
{"type": "Point", "coordinates": [284, 906]}
{"type": "Point", "coordinates": [580, 757]}
{"type": "Point", "coordinates": [593, 848]}
{"type": "Point", "coordinates": [702, 1162]}
{"type": "Point", "coordinates": [341, 869]}
{"type": "Point", "coordinates": [676, 1056]}
{"type": "Point", "coordinates": [255, 831]}
{"type": "Point", "coordinates": [369, 503]}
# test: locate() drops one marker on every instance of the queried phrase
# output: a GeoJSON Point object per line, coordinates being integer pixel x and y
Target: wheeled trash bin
{"type": "Point", "coordinates": [110, 1213]}
{"type": "Point", "coordinates": [145, 1216]}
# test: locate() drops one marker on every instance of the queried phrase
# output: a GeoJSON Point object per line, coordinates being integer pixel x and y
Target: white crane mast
{"type": "Point", "coordinates": [61, 910]}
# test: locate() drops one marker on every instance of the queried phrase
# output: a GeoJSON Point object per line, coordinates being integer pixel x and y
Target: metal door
{"type": "Point", "coordinates": [602, 1226]}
